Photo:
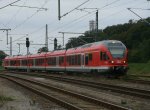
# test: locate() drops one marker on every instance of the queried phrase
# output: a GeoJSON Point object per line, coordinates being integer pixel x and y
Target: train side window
{"type": "Point", "coordinates": [82, 59]}
{"type": "Point", "coordinates": [54, 60]}
{"type": "Point", "coordinates": [86, 59]}
{"type": "Point", "coordinates": [61, 60]}
{"type": "Point", "coordinates": [72, 57]}
{"type": "Point", "coordinates": [69, 59]}
{"type": "Point", "coordinates": [79, 60]}
{"type": "Point", "coordinates": [24, 62]}
{"type": "Point", "coordinates": [36, 62]}
{"type": "Point", "coordinates": [76, 60]}
{"type": "Point", "coordinates": [90, 56]}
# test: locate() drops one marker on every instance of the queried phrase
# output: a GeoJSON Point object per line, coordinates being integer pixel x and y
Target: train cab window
{"type": "Point", "coordinates": [103, 56]}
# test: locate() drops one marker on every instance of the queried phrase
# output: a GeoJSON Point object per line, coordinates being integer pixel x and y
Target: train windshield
{"type": "Point", "coordinates": [117, 50]}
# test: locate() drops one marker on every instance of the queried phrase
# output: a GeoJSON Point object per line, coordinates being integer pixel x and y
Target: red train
{"type": "Point", "coordinates": [109, 56]}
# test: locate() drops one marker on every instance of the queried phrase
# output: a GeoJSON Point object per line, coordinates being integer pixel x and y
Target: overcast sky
{"type": "Point", "coordinates": [22, 20]}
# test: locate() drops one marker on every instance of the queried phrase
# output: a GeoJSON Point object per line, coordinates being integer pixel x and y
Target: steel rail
{"type": "Point", "coordinates": [45, 95]}
{"type": "Point", "coordinates": [114, 88]}
{"type": "Point", "coordinates": [127, 80]}
{"type": "Point", "coordinates": [138, 81]}
{"type": "Point", "coordinates": [81, 96]}
{"type": "Point", "coordinates": [119, 89]}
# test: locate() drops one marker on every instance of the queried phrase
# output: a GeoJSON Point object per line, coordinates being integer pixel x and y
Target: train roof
{"type": "Point", "coordinates": [94, 46]}
{"type": "Point", "coordinates": [80, 49]}
{"type": "Point", "coordinates": [38, 55]}
{"type": "Point", "coordinates": [11, 57]}
{"type": "Point", "coordinates": [57, 52]}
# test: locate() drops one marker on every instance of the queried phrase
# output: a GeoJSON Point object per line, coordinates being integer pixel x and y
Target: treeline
{"type": "Point", "coordinates": [134, 34]}
{"type": "Point", "coordinates": [2, 56]}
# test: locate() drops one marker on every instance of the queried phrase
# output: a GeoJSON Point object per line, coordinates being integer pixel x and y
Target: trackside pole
{"type": "Point", "coordinates": [28, 69]}
{"type": "Point", "coordinates": [27, 45]}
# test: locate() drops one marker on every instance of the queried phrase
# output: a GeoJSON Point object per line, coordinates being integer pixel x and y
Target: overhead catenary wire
{"type": "Point", "coordinates": [139, 16]}
{"type": "Point", "coordinates": [10, 4]}
{"type": "Point", "coordinates": [14, 16]}
{"type": "Point", "coordinates": [73, 9]}
{"type": "Point", "coordinates": [105, 17]}
{"type": "Point", "coordinates": [140, 8]}
{"type": "Point", "coordinates": [30, 7]}
{"type": "Point", "coordinates": [37, 30]}
{"type": "Point", "coordinates": [73, 20]}
{"type": "Point", "coordinates": [94, 12]}
{"type": "Point", "coordinates": [30, 16]}
{"type": "Point", "coordinates": [85, 15]}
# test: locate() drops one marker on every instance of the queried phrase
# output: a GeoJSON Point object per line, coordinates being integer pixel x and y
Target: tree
{"type": "Point", "coordinates": [43, 49]}
{"type": "Point", "coordinates": [2, 56]}
{"type": "Point", "coordinates": [135, 35]}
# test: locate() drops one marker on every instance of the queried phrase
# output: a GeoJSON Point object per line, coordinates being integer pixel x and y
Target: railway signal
{"type": "Point", "coordinates": [27, 45]}
{"type": "Point", "coordinates": [27, 42]}
{"type": "Point", "coordinates": [55, 44]}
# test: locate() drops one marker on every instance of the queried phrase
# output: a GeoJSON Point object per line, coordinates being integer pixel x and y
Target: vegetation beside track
{"type": "Point", "coordinates": [5, 98]}
{"type": "Point", "coordinates": [1, 68]}
{"type": "Point", "coordinates": [139, 69]}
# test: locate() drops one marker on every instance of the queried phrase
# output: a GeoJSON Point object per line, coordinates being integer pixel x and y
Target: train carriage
{"type": "Point", "coordinates": [104, 56]}
{"type": "Point", "coordinates": [11, 63]}
{"type": "Point", "coordinates": [56, 60]}
{"type": "Point", "coordinates": [108, 55]}
{"type": "Point", "coordinates": [37, 62]}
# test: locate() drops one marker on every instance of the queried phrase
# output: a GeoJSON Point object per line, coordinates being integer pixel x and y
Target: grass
{"type": "Point", "coordinates": [1, 68]}
{"type": "Point", "coordinates": [139, 68]}
{"type": "Point", "coordinates": [5, 98]}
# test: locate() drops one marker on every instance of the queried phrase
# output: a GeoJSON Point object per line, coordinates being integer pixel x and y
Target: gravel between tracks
{"type": "Point", "coordinates": [23, 99]}
{"type": "Point", "coordinates": [70, 99]}
{"type": "Point", "coordinates": [118, 82]}
{"type": "Point", "coordinates": [132, 102]}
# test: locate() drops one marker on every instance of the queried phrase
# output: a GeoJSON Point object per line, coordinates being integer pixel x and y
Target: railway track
{"type": "Point", "coordinates": [113, 88]}
{"type": "Point", "coordinates": [139, 79]}
{"type": "Point", "coordinates": [133, 80]}
{"type": "Point", "coordinates": [67, 99]}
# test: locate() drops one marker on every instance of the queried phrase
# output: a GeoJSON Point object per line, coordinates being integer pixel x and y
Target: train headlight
{"type": "Point", "coordinates": [112, 61]}
{"type": "Point", "coordinates": [124, 61]}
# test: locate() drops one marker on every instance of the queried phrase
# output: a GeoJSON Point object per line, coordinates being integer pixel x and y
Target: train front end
{"type": "Point", "coordinates": [117, 53]}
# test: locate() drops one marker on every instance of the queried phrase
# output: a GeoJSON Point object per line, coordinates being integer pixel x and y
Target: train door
{"type": "Point", "coordinates": [103, 58]}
